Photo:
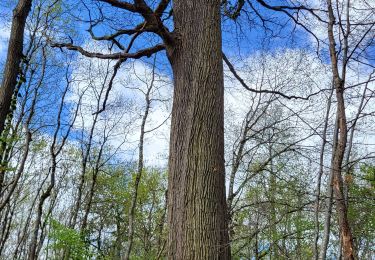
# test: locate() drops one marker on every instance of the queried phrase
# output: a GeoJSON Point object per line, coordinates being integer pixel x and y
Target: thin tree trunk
{"type": "Point", "coordinates": [256, 237]}
{"type": "Point", "coordinates": [139, 170]}
{"type": "Point", "coordinates": [318, 185]}
{"type": "Point", "coordinates": [329, 199]}
{"type": "Point", "coordinates": [327, 219]}
{"type": "Point", "coordinates": [6, 225]}
{"type": "Point", "coordinates": [92, 187]}
{"type": "Point", "coordinates": [161, 242]}
{"type": "Point", "coordinates": [361, 107]}
{"type": "Point", "coordinates": [33, 254]}
{"type": "Point", "coordinates": [14, 57]}
{"type": "Point", "coordinates": [85, 159]}
{"type": "Point", "coordinates": [341, 207]}
{"type": "Point", "coordinates": [238, 154]}
{"type": "Point", "coordinates": [196, 181]}
{"type": "Point", "coordinates": [339, 151]}
{"type": "Point", "coordinates": [54, 150]}
{"type": "Point", "coordinates": [6, 197]}
{"type": "Point", "coordinates": [87, 151]}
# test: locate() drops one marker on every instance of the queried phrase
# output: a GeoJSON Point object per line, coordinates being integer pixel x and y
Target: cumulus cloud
{"type": "Point", "coordinates": [292, 72]}
{"type": "Point", "coordinates": [360, 15]}
{"type": "Point", "coordinates": [121, 120]}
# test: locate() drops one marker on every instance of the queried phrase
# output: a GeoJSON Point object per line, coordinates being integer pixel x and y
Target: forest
{"type": "Point", "coordinates": [187, 129]}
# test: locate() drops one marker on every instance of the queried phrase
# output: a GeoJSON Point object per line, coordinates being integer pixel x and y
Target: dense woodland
{"type": "Point", "coordinates": [216, 129]}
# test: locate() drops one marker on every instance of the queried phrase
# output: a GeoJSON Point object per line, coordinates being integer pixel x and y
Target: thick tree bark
{"type": "Point", "coordinates": [196, 182]}
{"type": "Point", "coordinates": [14, 57]}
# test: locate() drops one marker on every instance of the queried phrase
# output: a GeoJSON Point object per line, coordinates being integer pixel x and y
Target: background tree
{"type": "Point", "coordinates": [12, 69]}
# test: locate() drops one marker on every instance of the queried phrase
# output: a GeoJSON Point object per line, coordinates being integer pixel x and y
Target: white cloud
{"type": "Point", "coordinates": [292, 72]}
{"type": "Point", "coordinates": [125, 105]}
{"type": "Point", "coordinates": [4, 38]}
{"type": "Point", "coordinates": [295, 72]}
{"type": "Point", "coordinates": [360, 14]}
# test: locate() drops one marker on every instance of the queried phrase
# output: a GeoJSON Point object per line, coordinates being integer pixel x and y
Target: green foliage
{"type": "Point", "coordinates": [271, 219]}
{"type": "Point", "coordinates": [68, 240]}
{"type": "Point", "coordinates": [39, 145]}
{"type": "Point", "coordinates": [361, 209]}
{"type": "Point", "coordinates": [111, 204]}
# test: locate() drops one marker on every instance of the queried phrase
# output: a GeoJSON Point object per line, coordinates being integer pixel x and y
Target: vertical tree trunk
{"type": "Point", "coordinates": [138, 176]}
{"type": "Point", "coordinates": [341, 207]}
{"type": "Point", "coordinates": [318, 187]}
{"type": "Point", "coordinates": [14, 58]}
{"type": "Point", "coordinates": [196, 182]}
{"type": "Point", "coordinates": [327, 219]}
{"type": "Point", "coordinates": [272, 191]}
{"type": "Point", "coordinates": [339, 149]}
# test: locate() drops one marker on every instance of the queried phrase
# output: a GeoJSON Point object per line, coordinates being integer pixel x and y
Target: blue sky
{"type": "Point", "coordinates": [241, 41]}
{"type": "Point", "coordinates": [241, 38]}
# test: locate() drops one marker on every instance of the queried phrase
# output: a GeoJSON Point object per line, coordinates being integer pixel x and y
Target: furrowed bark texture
{"type": "Point", "coordinates": [14, 58]}
{"type": "Point", "coordinates": [196, 188]}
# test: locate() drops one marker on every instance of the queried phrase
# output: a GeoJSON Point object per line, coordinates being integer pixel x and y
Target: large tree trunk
{"type": "Point", "coordinates": [196, 183]}
{"type": "Point", "coordinates": [14, 57]}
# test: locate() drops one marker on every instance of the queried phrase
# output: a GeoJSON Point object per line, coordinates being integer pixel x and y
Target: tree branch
{"type": "Point", "coordinates": [112, 56]}
{"type": "Point", "coordinates": [243, 83]}
{"type": "Point", "coordinates": [121, 4]}
{"type": "Point", "coordinates": [161, 7]}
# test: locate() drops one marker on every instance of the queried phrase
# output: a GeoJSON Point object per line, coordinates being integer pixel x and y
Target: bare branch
{"type": "Point", "coordinates": [161, 7]}
{"type": "Point", "coordinates": [243, 83]}
{"type": "Point", "coordinates": [121, 4]}
{"type": "Point", "coordinates": [147, 52]}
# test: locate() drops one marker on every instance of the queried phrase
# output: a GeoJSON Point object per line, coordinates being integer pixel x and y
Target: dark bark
{"type": "Point", "coordinates": [196, 182]}
{"type": "Point", "coordinates": [196, 191]}
{"type": "Point", "coordinates": [14, 57]}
